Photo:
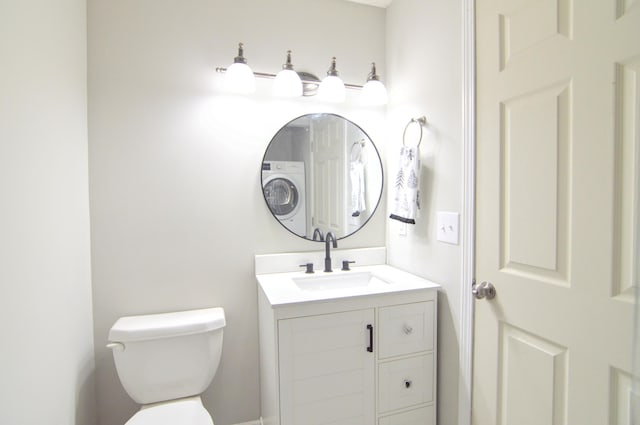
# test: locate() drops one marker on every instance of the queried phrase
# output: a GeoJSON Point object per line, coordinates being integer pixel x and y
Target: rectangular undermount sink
{"type": "Point", "coordinates": [331, 282]}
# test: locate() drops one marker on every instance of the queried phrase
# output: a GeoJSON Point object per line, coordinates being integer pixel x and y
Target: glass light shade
{"type": "Point", "coordinates": [287, 84]}
{"type": "Point", "coordinates": [332, 89]}
{"type": "Point", "coordinates": [239, 79]}
{"type": "Point", "coordinates": [374, 93]}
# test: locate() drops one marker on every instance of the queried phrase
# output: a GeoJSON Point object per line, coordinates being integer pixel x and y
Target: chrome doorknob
{"type": "Point", "coordinates": [483, 290]}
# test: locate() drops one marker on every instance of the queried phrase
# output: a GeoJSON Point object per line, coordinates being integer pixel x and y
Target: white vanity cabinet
{"type": "Point", "coordinates": [362, 360]}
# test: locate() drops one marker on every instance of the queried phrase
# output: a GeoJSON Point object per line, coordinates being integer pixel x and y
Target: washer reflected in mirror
{"type": "Point", "coordinates": [322, 173]}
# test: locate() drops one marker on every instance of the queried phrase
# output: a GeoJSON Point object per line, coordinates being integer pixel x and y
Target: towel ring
{"type": "Point", "coordinates": [358, 143]}
{"type": "Point", "coordinates": [357, 153]}
{"type": "Point", "coordinates": [422, 121]}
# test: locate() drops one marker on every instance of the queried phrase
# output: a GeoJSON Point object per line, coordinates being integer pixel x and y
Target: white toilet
{"type": "Point", "coordinates": [165, 361]}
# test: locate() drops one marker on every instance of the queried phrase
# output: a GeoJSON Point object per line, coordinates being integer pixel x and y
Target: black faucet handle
{"type": "Point", "coordinates": [345, 265]}
{"type": "Point", "coordinates": [309, 267]}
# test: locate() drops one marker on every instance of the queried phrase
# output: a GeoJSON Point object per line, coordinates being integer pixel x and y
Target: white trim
{"type": "Point", "coordinates": [256, 422]}
{"type": "Point", "coordinates": [468, 212]}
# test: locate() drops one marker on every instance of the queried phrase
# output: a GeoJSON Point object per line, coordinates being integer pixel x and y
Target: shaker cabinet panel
{"type": "Point", "coordinates": [405, 383]}
{"type": "Point", "coordinates": [406, 329]}
{"type": "Point", "coordinates": [326, 372]}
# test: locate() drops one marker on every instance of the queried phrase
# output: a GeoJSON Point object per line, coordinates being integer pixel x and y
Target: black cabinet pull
{"type": "Point", "coordinates": [370, 347]}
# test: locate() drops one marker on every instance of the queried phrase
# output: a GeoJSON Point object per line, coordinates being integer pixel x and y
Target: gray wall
{"type": "Point", "coordinates": [424, 52]}
{"type": "Point", "coordinates": [176, 209]}
{"type": "Point", "coordinates": [46, 353]}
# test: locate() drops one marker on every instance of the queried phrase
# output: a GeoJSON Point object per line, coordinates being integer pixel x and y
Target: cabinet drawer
{"type": "Point", "coordinates": [404, 383]}
{"type": "Point", "coordinates": [406, 329]}
{"type": "Point", "coordinates": [422, 416]}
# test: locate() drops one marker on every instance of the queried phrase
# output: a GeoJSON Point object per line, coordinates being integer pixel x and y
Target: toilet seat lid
{"type": "Point", "coordinates": [188, 411]}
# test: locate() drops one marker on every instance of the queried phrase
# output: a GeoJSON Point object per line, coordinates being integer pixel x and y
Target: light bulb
{"type": "Point", "coordinates": [239, 77]}
{"type": "Point", "coordinates": [374, 93]}
{"type": "Point", "coordinates": [332, 88]}
{"type": "Point", "coordinates": [287, 83]}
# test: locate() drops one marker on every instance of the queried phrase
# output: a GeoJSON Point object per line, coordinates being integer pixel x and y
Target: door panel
{"type": "Point", "coordinates": [534, 136]}
{"type": "Point", "coordinates": [557, 183]}
{"type": "Point", "coordinates": [328, 152]}
{"type": "Point", "coordinates": [627, 183]}
{"type": "Point", "coordinates": [529, 362]}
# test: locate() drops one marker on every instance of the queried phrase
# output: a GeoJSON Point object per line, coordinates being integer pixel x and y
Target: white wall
{"type": "Point", "coordinates": [170, 229]}
{"type": "Point", "coordinates": [177, 212]}
{"type": "Point", "coordinates": [46, 353]}
{"type": "Point", "coordinates": [424, 51]}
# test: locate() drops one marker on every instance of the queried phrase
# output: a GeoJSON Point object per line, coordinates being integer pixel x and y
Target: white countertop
{"type": "Point", "coordinates": [281, 288]}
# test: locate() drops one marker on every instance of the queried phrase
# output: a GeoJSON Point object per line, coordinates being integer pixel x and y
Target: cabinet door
{"type": "Point", "coordinates": [326, 372]}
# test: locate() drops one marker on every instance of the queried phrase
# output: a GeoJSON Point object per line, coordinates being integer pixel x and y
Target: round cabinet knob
{"type": "Point", "coordinates": [407, 329]}
{"type": "Point", "coordinates": [407, 383]}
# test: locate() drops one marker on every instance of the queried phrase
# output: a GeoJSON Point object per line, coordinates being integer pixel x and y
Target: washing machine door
{"type": "Point", "coordinates": [283, 197]}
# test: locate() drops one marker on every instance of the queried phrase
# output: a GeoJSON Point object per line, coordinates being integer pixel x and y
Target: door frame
{"type": "Point", "coordinates": [468, 211]}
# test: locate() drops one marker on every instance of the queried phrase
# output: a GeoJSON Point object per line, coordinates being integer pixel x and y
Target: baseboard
{"type": "Point", "coordinates": [256, 422]}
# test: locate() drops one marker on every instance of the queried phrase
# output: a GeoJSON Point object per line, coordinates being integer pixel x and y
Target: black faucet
{"type": "Point", "coordinates": [330, 237]}
{"type": "Point", "coordinates": [317, 232]}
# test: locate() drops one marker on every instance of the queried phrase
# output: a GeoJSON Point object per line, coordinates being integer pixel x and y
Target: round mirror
{"type": "Point", "coordinates": [322, 173]}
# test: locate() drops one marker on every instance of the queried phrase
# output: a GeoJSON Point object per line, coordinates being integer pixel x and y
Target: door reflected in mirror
{"type": "Point", "coordinates": [322, 173]}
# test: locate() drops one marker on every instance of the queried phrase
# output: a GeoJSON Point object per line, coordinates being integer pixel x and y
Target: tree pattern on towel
{"type": "Point", "coordinates": [412, 182]}
{"type": "Point", "coordinates": [400, 179]}
{"type": "Point", "coordinates": [405, 203]}
{"type": "Point", "coordinates": [406, 197]}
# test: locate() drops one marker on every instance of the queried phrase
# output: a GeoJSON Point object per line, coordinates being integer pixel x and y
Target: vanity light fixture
{"type": "Point", "coordinates": [374, 93]}
{"type": "Point", "coordinates": [287, 83]}
{"type": "Point", "coordinates": [332, 88]}
{"type": "Point", "coordinates": [239, 77]}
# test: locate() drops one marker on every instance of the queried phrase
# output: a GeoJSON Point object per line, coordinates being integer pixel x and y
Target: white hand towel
{"type": "Point", "coordinates": [358, 203]}
{"type": "Point", "coordinates": [406, 201]}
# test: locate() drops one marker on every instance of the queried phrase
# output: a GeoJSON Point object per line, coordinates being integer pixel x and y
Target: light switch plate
{"type": "Point", "coordinates": [448, 226]}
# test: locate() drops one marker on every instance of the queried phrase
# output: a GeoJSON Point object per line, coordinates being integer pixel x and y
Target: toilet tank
{"type": "Point", "coordinates": [167, 356]}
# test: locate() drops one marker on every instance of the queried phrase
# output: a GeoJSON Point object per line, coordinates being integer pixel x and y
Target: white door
{"type": "Point", "coordinates": [327, 149]}
{"type": "Point", "coordinates": [558, 122]}
{"type": "Point", "coordinates": [326, 371]}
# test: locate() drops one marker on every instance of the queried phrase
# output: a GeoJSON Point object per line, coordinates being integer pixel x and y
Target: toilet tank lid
{"type": "Point", "coordinates": [164, 325]}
